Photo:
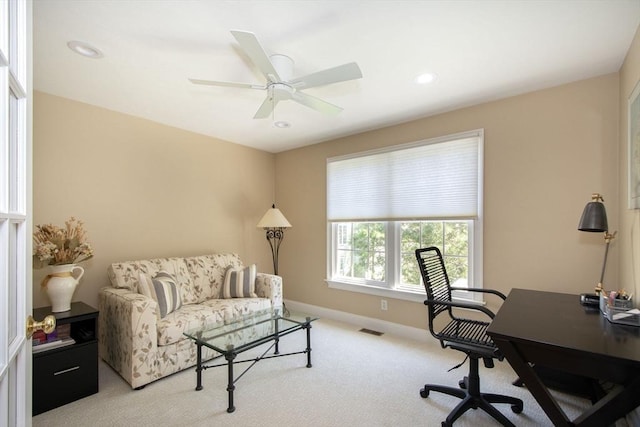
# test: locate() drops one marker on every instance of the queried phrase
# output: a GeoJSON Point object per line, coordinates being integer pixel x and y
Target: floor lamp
{"type": "Point", "coordinates": [594, 219]}
{"type": "Point", "coordinates": [274, 224]}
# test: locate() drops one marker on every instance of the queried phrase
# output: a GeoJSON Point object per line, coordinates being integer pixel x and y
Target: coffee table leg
{"type": "Point", "coordinates": [199, 368]}
{"type": "Point", "coordinates": [230, 355]}
{"type": "Point", "coordinates": [308, 328]}
{"type": "Point", "coordinates": [277, 340]}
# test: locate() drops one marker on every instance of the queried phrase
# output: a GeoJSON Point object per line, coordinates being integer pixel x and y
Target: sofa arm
{"type": "Point", "coordinates": [127, 331]}
{"type": "Point", "coordinates": [270, 286]}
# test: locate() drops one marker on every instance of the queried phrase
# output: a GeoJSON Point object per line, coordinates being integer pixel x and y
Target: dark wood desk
{"type": "Point", "coordinates": [553, 330]}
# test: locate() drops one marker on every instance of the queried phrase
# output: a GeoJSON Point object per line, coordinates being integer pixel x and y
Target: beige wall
{"type": "Point", "coordinates": [144, 190]}
{"type": "Point", "coordinates": [628, 241]}
{"type": "Point", "coordinates": [545, 153]}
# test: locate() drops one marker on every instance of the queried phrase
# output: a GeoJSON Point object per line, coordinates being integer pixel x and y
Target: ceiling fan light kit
{"type": "Point", "coordinates": [283, 65]}
{"type": "Point", "coordinates": [278, 72]}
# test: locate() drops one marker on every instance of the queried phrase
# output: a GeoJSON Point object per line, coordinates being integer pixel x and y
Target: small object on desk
{"type": "Point", "coordinates": [622, 315]}
{"type": "Point", "coordinates": [590, 300]}
{"type": "Point", "coordinates": [626, 315]}
{"type": "Point", "coordinates": [613, 295]}
{"type": "Point", "coordinates": [617, 307]}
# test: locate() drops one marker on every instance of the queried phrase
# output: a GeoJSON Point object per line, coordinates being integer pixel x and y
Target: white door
{"type": "Point", "coordinates": [15, 211]}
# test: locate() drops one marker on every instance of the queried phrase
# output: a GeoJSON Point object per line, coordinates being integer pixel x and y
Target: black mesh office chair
{"type": "Point", "coordinates": [465, 335]}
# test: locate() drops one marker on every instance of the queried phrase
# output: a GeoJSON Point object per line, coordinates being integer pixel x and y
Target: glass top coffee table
{"type": "Point", "coordinates": [246, 333]}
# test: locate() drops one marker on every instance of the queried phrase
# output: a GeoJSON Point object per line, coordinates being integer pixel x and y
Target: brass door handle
{"type": "Point", "coordinates": [47, 325]}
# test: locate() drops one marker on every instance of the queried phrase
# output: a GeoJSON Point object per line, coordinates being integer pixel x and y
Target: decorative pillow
{"type": "Point", "coordinates": [163, 289]}
{"type": "Point", "coordinates": [240, 282]}
{"type": "Point", "coordinates": [144, 284]}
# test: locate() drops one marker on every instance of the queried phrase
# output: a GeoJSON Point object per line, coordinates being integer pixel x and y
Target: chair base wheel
{"type": "Point", "coordinates": [471, 398]}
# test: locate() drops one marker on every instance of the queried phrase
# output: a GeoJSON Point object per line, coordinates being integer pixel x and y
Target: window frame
{"type": "Point", "coordinates": [391, 287]}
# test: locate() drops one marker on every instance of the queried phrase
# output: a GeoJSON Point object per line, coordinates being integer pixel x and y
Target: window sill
{"type": "Point", "coordinates": [377, 291]}
{"type": "Point", "coordinates": [389, 293]}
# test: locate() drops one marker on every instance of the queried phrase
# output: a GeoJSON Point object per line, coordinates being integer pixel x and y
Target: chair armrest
{"type": "Point", "coordinates": [454, 304]}
{"type": "Point", "coordinates": [486, 291]}
{"type": "Point", "coordinates": [128, 333]}
{"type": "Point", "coordinates": [270, 286]}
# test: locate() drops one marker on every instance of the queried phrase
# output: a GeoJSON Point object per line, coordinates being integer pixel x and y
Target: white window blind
{"type": "Point", "coordinates": [437, 178]}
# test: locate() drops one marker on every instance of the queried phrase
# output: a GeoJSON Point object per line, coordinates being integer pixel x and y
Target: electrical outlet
{"type": "Point", "coordinates": [383, 304]}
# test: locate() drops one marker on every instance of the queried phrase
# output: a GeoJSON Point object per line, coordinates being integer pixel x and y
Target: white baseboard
{"type": "Point", "coordinates": [391, 328]}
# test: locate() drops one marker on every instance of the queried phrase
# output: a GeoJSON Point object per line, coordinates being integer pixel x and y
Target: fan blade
{"type": "Point", "coordinates": [266, 108]}
{"type": "Point", "coordinates": [227, 84]}
{"type": "Point", "coordinates": [316, 103]}
{"type": "Point", "coordinates": [341, 73]}
{"type": "Point", "coordinates": [256, 53]}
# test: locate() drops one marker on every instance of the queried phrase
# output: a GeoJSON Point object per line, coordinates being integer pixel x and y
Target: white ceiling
{"type": "Point", "coordinates": [480, 50]}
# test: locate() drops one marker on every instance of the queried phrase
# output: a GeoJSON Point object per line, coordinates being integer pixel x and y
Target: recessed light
{"type": "Point", "coordinates": [282, 124]}
{"type": "Point", "coordinates": [425, 78]}
{"type": "Point", "coordinates": [85, 49]}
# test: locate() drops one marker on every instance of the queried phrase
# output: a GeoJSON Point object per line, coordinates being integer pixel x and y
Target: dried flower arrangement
{"type": "Point", "coordinates": [53, 245]}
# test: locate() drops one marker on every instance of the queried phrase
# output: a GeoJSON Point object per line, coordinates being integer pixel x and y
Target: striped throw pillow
{"type": "Point", "coordinates": [162, 288]}
{"type": "Point", "coordinates": [240, 282]}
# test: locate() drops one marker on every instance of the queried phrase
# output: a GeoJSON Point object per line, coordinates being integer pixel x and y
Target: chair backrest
{"type": "Point", "coordinates": [435, 279]}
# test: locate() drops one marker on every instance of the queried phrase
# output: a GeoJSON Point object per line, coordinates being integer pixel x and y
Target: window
{"type": "Point", "coordinates": [383, 205]}
{"type": "Point", "coordinates": [361, 251]}
{"type": "Point", "coordinates": [451, 237]}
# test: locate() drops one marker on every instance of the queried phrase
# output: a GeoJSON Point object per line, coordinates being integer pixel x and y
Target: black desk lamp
{"type": "Point", "coordinates": [594, 219]}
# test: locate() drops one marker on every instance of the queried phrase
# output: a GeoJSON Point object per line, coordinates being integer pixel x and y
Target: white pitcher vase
{"type": "Point", "coordinates": [60, 284]}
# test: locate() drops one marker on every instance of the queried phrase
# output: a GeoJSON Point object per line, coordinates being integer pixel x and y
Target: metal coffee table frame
{"type": "Point", "coordinates": [292, 322]}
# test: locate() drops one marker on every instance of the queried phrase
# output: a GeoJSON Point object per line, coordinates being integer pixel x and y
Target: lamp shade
{"type": "Point", "coordinates": [273, 218]}
{"type": "Point", "coordinates": [594, 218]}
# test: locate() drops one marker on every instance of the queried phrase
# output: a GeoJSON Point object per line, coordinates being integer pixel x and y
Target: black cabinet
{"type": "Point", "coordinates": [64, 374]}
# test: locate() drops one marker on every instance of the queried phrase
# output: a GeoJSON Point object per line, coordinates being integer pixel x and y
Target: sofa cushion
{"type": "Point", "coordinates": [240, 282]}
{"type": "Point", "coordinates": [208, 315]}
{"type": "Point", "coordinates": [162, 288]}
{"type": "Point", "coordinates": [145, 286]}
{"type": "Point", "coordinates": [126, 274]}
{"type": "Point", "coordinates": [243, 307]}
{"type": "Point", "coordinates": [207, 276]}
{"type": "Point", "coordinates": [191, 317]}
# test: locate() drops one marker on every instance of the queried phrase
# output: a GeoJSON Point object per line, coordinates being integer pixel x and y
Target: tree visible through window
{"type": "Point", "coordinates": [364, 248]}
{"type": "Point", "coordinates": [451, 237]}
{"type": "Point", "coordinates": [361, 251]}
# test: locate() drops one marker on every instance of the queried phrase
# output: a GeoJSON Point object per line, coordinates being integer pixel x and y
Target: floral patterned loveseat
{"type": "Point", "coordinates": [141, 344]}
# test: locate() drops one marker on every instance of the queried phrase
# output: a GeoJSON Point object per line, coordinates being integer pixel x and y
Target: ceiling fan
{"type": "Point", "coordinates": [278, 70]}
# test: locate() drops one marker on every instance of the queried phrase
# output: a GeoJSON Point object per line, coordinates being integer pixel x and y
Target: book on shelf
{"type": "Point", "coordinates": [53, 336]}
{"type": "Point", "coordinates": [39, 337]}
{"type": "Point", "coordinates": [37, 348]}
{"type": "Point", "coordinates": [63, 331]}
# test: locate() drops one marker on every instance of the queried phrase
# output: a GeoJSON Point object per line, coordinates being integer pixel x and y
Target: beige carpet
{"type": "Point", "coordinates": [357, 379]}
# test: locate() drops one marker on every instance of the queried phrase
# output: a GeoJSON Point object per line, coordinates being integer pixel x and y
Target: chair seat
{"type": "Point", "coordinates": [469, 336]}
